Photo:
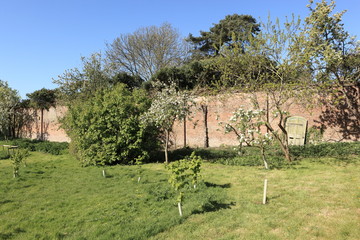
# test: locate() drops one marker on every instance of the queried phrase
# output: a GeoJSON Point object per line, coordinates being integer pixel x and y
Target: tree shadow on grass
{"type": "Point", "coordinates": [5, 201]}
{"type": "Point", "coordinates": [213, 206]}
{"type": "Point", "coordinates": [209, 184]}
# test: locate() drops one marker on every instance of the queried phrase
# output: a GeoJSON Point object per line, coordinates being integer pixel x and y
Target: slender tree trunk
{"type": "Point", "coordinates": [206, 132]}
{"type": "Point", "coordinates": [267, 110]}
{"type": "Point", "coordinates": [42, 125]}
{"type": "Point", "coordinates": [167, 133]}
{"type": "Point", "coordinates": [184, 132]}
{"type": "Point", "coordinates": [14, 126]}
{"type": "Point", "coordinates": [283, 145]}
{"type": "Point", "coordinates": [264, 158]}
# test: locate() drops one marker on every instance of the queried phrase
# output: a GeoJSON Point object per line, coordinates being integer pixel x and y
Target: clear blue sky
{"type": "Point", "coordinates": [40, 39]}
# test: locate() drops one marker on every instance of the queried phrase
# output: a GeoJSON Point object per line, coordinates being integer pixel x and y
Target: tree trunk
{"type": "Point", "coordinates": [184, 132]}
{"type": "Point", "coordinates": [42, 125]}
{"type": "Point", "coordinates": [264, 158]}
{"type": "Point", "coordinates": [167, 133]}
{"type": "Point", "coordinates": [14, 126]}
{"type": "Point", "coordinates": [284, 146]}
{"type": "Point", "coordinates": [206, 132]}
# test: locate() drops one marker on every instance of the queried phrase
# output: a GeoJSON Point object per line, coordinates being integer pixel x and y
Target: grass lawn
{"type": "Point", "coordinates": [55, 198]}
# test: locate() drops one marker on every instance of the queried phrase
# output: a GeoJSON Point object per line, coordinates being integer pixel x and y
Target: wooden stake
{"type": "Point", "coordinates": [104, 174]}
{"type": "Point", "coordinates": [180, 209]}
{"type": "Point", "coordinates": [265, 190]}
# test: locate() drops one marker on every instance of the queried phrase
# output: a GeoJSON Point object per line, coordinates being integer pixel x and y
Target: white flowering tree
{"type": "Point", "coordinates": [247, 124]}
{"type": "Point", "coordinates": [168, 105]}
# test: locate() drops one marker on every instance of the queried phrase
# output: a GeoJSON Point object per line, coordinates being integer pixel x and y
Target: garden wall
{"type": "Point", "coordinates": [52, 130]}
{"type": "Point", "coordinates": [220, 108]}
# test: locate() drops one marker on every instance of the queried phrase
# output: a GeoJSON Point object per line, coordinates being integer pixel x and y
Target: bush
{"type": "Point", "coordinates": [55, 148]}
{"type": "Point", "coordinates": [327, 150]}
{"type": "Point", "coordinates": [4, 154]}
{"type": "Point", "coordinates": [106, 129]}
{"type": "Point", "coordinates": [25, 144]}
{"type": "Point", "coordinates": [252, 157]}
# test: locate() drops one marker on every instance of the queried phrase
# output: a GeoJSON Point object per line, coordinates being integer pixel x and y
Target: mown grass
{"type": "Point", "coordinates": [55, 198]}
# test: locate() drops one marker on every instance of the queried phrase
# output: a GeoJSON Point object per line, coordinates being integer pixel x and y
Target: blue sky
{"type": "Point", "coordinates": [40, 39]}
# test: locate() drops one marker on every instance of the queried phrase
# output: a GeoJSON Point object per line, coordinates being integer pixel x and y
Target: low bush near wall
{"type": "Point", "coordinates": [54, 148]}
{"type": "Point", "coordinates": [251, 156]}
{"type": "Point", "coordinates": [327, 150]}
{"type": "Point", "coordinates": [4, 155]}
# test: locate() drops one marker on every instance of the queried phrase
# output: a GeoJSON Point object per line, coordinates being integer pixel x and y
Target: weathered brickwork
{"type": "Point", "coordinates": [220, 108]}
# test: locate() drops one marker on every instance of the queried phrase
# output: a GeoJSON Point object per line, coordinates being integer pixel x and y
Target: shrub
{"type": "Point", "coordinates": [55, 148]}
{"type": "Point", "coordinates": [327, 150]}
{"type": "Point", "coordinates": [25, 143]}
{"type": "Point", "coordinates": [106, 129]}
{"type": "Point", "coordinates": [17, 158]}
{"type": "Point", "coordinates": [4, 154]}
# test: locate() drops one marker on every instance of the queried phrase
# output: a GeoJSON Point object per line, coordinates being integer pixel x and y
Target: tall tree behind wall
{"type": "Point", "coordinates": [147, 50]}
{"type": "Point", "coordinates": [42, 99]}
{"type": "Point", "coordinates": [209, 43]}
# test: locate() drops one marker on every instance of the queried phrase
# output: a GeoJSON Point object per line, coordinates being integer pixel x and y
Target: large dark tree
{"type": "Point", "coordinates": [223, 33]}
{"type": "Point", "coordinates": [42, 99]}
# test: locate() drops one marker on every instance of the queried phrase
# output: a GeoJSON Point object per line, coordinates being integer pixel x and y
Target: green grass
{"type": "Point", "coordinates": [55, 198]}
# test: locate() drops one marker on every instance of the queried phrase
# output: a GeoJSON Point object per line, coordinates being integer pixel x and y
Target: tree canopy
{"type": "Point", "coordinates": [106, 129]}
{"type": "Point", "coordinates": [223, 34]}
{"type": "Point", "coordinates": [147, 50]}
{"type": "Point", "coordinates": [9, 99]}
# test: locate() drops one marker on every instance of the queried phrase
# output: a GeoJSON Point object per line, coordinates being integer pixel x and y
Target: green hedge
{"type": "Point", "coordinates": [55, 148]}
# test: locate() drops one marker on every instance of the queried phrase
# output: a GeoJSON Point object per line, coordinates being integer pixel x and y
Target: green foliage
{"type": "Point", "coordinates": [343, 149]}
{"type": "Point", "coordinates": [195, 74]}
{"type": "Point", "coordinates": [251, 155]}
{"type": "Point", "coordinates": [314, 135]}
{"type": "Point", "coordinates": [130, 81]}
{"type": "Point", "coordinates": [17, 158]}
{"type": "Point", "coordinates": [42, 99]}
{"type": "Point", "coordinates": [83, 83]}
{"type": "Point", "coordinates": [4, 154]}
{"type": "Point", "coordinates": [221, 34]}
{"type": "Point", "coordinates": [106, 128]}
{"type": "Point", "coordinates": [326, 48]}
{"type": "Point", "coordinates": [9, 99]}
{"type": "Point", "coordinates": [184, 173]}
{"type": "Point", "coordinates": [331, 55]}
{"type": "Point", "coordinates": [54, 148]}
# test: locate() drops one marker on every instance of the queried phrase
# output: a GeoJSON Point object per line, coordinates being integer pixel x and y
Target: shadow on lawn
{"type": "Point", "coordinates": [209, 184]}
{"type": "Point", "coordinates": [213, 206]}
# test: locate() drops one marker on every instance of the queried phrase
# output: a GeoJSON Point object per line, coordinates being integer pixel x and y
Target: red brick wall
{"type": "Point", "coordinates": [220, 108]}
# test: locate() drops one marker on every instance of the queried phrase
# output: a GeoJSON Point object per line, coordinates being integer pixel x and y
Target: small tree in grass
{"type": "Point", "coordinates": [169, 105]}
{"type": "Point", "coordinates": [184, 172]}
{"type": "Point", "coordinates": [247, 124]}
{"type": "Point", "coordinates": [17, 158]}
